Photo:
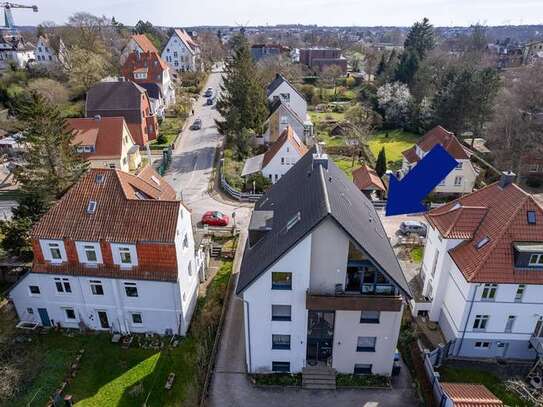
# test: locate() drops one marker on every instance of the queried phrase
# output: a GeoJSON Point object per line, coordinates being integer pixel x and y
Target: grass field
{"type": "Point", "coordinates": [345, 164]}
{"type": "Point", "coordinates": [319, 117]}
{"type": "Point", "coordinates": [169, 129]}
{"type": "Point", "coordinates": [396, 142]}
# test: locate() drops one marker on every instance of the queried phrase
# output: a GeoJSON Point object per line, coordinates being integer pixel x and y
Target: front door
{"type": "Point", "coordinates": [104, 322]}
{"type": "Point", "coordinates": [44, 316]}
{"type": "Point", "coordinates": [320, 337]}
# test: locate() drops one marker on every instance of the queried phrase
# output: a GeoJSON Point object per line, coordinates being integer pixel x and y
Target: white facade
{"type": "Point", "coordinates": [46, 55]}
{"type": "Point", "coordinates": [282, 161]}
{"type": "Point", "coordinates": [116, 304]}
{"type": "Point", "coordinates": [287, 94]}
{"type": "Point", "coordinates": [18, 57]}
{"type": "Point", "coordinates": [179, 55]}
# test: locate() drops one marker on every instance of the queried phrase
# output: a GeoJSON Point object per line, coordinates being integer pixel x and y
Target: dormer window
{"type": "Point", "coordinates": [53, 250]}
{"type": "Point", "coordinates": [536, 259]}
{"type": "Point", "coordinates": [89, 252]}
{"type": "Point", "coordinates": [124, 255]}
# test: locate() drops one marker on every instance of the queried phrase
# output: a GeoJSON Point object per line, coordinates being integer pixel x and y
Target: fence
{"type": "Point", "coordinates": [235, 193]}
{"type": "Point", "coordinates": [431, 360]}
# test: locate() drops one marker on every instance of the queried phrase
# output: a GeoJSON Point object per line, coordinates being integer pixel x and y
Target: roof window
{"type": "Point", "coordinates": [155, 180]}
{"type": "Point", "coordinates": [482, 242]}
{"type": "Point", "coordinates": [100, 178]}
{"type": "Point", "coordinates": [531, 217]}
{"type": "Point", "coordinates": [91, 207]}
{"type": "Point", "coordinates": [293, 221]}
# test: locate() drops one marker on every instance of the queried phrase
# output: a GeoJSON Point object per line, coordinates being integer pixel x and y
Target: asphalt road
{"type": "Point", "coordinates": [192, 163]}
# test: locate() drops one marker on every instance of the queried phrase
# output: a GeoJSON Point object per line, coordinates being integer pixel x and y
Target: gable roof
{"type": "Point", "coordinates": [498, 214]}
{"type": "Point", "coordinates": [288, 135]}
{"type": "Point", "coordinates": [144, 43]}
{"type": "Point", "coordinates": [279, 104]}
{"type": "Point", "coordinates": [119, 96]}
{"type": "Point", "coordinates": [129, 208]}
{"type": "Point", "coordinates": [366, 178]}
{"type": "Point", "coordinates": [317, 194]}
{"type": "Point", "coordinates": [149, 62]}
{"type": "Point", "coordinates": [438, 135]}
{"type": "Point", "coordinates": [470, 395]}
{"type": "Point", "coordinates": [104, 133]}
{"type": "Point", "coordinates": [278, 81]}
{"type": "Point", "coordinates": [187, 40]}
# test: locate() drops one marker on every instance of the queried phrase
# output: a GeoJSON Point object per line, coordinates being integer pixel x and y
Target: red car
{"type": "Point", "coordinates": [215, 218]}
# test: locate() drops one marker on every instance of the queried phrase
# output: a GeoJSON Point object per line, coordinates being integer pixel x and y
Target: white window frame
{"type": "Point", "coordinates": [130, 284]}
{"type": "Point", "coordinates": [519, 294]}
{"type": "Point", "coordinates": [482, 345]}
{"type": "Point", "coordinates": [66, 319]}
{"type": "Point", "coordinates": [538, 259]}
{"type": "Point", "coordinates": [489, 292]}
{"type": "Point", "coordinates": [48, 245]}
{"type": "Point", "coordinates": [64, 282]}
{"type": "Point", "coordinates": [95, 283]}
{"type": "Point", "coordinates": [132, 319]}
{"type": "Point", "coordinates": [116, 249]}
{"type": "Point", "coordinates": [34, 294]}
{"type": "Point", "coordinates": [82, 247]}
{"type": "Point", "coordinates": [458, 181]}
{"type": "Point", "coordinates": [481, 321]}
{"type": "Point", "coordinates": [510, 323]}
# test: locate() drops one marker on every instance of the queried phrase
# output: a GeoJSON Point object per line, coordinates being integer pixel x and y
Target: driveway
{"type": "Point", "coordinates": [192, 164]}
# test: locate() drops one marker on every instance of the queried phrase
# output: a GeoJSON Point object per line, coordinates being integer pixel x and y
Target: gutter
{"type": "Point", "coordinates": [467, 319]}
{"type": "Point", "coordinates": [248, 336]}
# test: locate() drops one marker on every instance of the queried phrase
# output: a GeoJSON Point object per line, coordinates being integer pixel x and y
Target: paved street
{"type": "Point", "coordinates": [192, 163]}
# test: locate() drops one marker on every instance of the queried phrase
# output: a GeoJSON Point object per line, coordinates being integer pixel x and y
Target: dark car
{"type": "Point", "coordinates": [208, 92]}
{"type": "Point", "coordinates": [412, 226]}
{"type": "Point", "coordinates": [197, 125]}
{"type": "Point", "coordinates": [210, 101]}
{"type": "Point", "coordinates": [215, 218]}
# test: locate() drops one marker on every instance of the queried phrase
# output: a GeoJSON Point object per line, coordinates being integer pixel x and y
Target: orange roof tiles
{"type": "Point", "coordinates": [438, 135]}
{"type": "Point", "coordinates": [187, 39]}
{"type": "Point", "coordinates": [144, 43]}
{"type": "Point", "coordinates": [144, 62]}
{"type": "Point", "coordinates": [499, 215]}
{"type": "Point", "coordinates": [471, 395]}
{"type": "Point", "coordinates": [287, 135]}
{"type": "Point", "coordinates": [366, 178]}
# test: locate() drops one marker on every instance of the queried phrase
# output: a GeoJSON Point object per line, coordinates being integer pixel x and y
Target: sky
{"type": "Point", "coordinates": [184, 13]}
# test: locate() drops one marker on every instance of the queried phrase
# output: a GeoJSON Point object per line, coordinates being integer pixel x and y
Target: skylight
{"type": "Point", "coordinates": [482, 242]}
{"type": "Point", "coordinates": [91, 207]}
{"type": "Point", "coordinates": [531, 217]}
{"type": "Point", "coordinates": [293, 221]}
{"type": "Point", "coordinates": [100, 178]}
{"type": "Point", "coordinates": [155, 180]}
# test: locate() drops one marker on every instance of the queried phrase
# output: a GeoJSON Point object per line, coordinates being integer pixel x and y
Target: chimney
{"type": "Point", "coordinates": [507, 178]}
{"type": "Point", "coordinates": [97, 117]}
{"type": "Point", "coordinates": [320, 159]}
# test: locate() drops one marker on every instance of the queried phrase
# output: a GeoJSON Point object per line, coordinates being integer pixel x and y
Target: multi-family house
{"type": "Point", "coordinates": [280, 157]}
{"type": "Point", "coordinates": [115, 253]}
{"type": "Point", "coordinates": [459, 181]}
{"type": "Point", "coordinates": [50, 50]}
{"type": "Point", "coordinates": [320, 283]}
{"type": "Point", "coordinates": [148, 69]}
{"type": "Point", "coordinates": [318, 59]}
{"type": "Point", "coordinates": [482, 273]}
{"type": "Point", "coordinates": [280, 118]}
{"type": "Point", "coordinates": [14, 50]}
{"type": "Point", "coordinates": [182, 52]}
{"type": "Point", "coordinates": [137, 43]}
{"type": "Point", "coordinates": [281, 89]}
{"type": "Point", "coordinates": [105, 142]}
{"type": "Point", "coordinates": [262, 51]}
{"type": "Point", "coordinates": [126, 99]}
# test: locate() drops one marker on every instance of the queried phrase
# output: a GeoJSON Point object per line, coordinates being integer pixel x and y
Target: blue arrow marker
{"type": "Point", "coordinates": [405, 196]}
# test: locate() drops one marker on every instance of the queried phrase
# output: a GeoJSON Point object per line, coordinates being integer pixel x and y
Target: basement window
{"type": "Point", "coordinates": [481, 243]}
{"type": "Point", "coordinates": [293, 221]}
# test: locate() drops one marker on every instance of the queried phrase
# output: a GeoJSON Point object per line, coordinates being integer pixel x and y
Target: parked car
{"type": "Point", "coordinates": [413, 226]}
{"type": "Point", "coordinates": [208, 92]}
{"type": "Point", "coordinates": [210, 101]}
{"type": "Point", "coordinates": [197, 125]}
{"type": "Point", "coordinates": [215, 218]}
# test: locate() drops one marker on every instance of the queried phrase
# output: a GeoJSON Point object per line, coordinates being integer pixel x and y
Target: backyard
{"type": "Point", "coordinates": [109, 375]}
{"type": "Point", "coordinates": [169, 129]}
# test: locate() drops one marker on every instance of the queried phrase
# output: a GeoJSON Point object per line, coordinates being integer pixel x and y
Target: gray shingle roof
{"type": "Point", "coordinates": [279, 79]}
{"type": "Point", "coordinates": [318, 194]}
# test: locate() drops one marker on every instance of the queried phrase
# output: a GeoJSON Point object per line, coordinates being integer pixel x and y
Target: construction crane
{"type": "Point", "coordinates": [10, 23]}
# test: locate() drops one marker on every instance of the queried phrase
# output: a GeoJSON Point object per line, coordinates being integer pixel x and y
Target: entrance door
{"type": "Point", "coordinates": [104, 321]}
{"type": "Point", "coordinates": [44, 316]}
{"type": "Point", "coordinates": [320, 337]}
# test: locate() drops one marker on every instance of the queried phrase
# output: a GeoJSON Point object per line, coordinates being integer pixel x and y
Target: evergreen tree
{"type": "Point", "coordinates": [420, 40]}
{"type": "Point", "coordinates": [242, 103]}
{"type": "Point", "coordinates": [51, 164]}
{"type": "Point", "coordinates": [381, 163]}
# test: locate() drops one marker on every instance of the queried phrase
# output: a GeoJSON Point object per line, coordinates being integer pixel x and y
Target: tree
{"type": "Point", "coordinates": [362, 120]}
{"type": "Point", "coordinates": [212, 49]}
{"type": "Point", "coordinates": [157, 37]}
{"type": "Point", "coordinates": [381, 163]}
{"type": "Point", "coordinates": [330, 75]}
{"type": "Point", "coordinates": [86, 68]}
{"type": "Point", "coordinates": [87, 31]}
{"type": "Point", "coordinates": [269, 67]}
{"type": "Point", "coordinates": [394, 100]}
{"type": "Point", "coordinates": [51, 164]}
{"type": "Point", "coordinates": [242, 103]}
{"type": "Point", "coordinates": [55, 92]}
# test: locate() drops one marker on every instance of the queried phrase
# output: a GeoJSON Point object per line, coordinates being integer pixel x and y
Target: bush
{"type": "Point", "coordinates": [261, 183]}
{"type": "Point", "coordinates": [353, 380]}
{"type": "Point", "coordinates": [277, 379]}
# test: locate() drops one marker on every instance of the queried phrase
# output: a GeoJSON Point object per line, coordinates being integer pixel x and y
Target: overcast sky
{"type": "Point", "coordinates": [261, 12]}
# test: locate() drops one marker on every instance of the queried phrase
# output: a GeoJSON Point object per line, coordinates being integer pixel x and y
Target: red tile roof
{"type": "Point", "coordinates": [438, 135]}
{"type": "Point", "coordinates": [470, 395]}
{"type": "Point", "coordinates": [129, 209]}
{"type": "Point", "coordinates": [287, 135]}
{"type": "Point", "coordinates": [366, 178]}
{"type": "Point", "coordinates": [105, 134]}
{"type": "Point", "coordinates": [144, 43]}
{"type": "Point", "coordinates": [187, 39]}
{"type": "Point", "coordinates": [499, 215]}
{"type": "Point", "coordinates": [149, 62]}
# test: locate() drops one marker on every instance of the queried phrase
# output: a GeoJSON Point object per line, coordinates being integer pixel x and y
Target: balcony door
{"type": "Point", "coordinates": [320, 338]}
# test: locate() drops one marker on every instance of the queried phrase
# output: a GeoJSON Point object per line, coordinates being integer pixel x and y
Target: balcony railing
{"type": "Point", "coordinates": [345, 301]}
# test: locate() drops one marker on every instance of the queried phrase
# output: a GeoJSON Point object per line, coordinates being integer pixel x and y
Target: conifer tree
{"type": "Point", "coordinates": [381, 163]}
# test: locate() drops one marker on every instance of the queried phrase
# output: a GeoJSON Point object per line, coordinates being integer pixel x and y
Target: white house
{"type": "Point", "coordinates": [320, 283]}
{"type": "Point", "coordinates": [14, 50]}
{"type": "Point", "coordinates": [459, 181]}
{"type": "Point", "coordinates": [482, 273]}
{"type": "Point", "coordinates": [181, 52]}
{"type": "Point", "coordinates": [281, 117]}
{"type": "Point", "coordinates": [100, 263]}
{"type": "Point", "coordinates": [279, 158]}
{"type": "Point", "coordinates": [50, 50]}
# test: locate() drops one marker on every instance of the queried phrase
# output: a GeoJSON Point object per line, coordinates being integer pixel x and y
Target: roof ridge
{"type": "Point", "coordinates": [325, 190]}
{"type": "Point", "coordinates": [453, 223]}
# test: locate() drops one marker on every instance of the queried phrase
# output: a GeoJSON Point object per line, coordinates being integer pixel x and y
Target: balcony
{"type": "Point", "coordinates": [341, 301]}
{"type": "Point", "coordinates": [537, 343]}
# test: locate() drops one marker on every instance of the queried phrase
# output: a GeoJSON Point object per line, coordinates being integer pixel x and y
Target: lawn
{"type": "Point", "coordinates": [111, 376]}
{"type": "Point", "coordinates": [492, 382]}
{"type": "Point", "coordinates": [345, 164]}
{"type": "Point", "coordinates": [396, 142]}
{"type": "Point", "coordinates": [169, 129]}
{"type": "Point", "coordinates": [416, 254]}
{"type": "Point", "coordinates": [319, 117]}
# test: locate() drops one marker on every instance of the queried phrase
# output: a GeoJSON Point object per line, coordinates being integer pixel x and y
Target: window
{"type": "Point", "coordinates": [175, 54]}
{"type": "Point", "coordinates": [281, 312]}
{"type": "Point", "coordinates": [140, 75]}
{"type": "Point", "coordinates": [482, 242]}
{"type": "Point", "coordinates": [70, 314]}
{"type": "Point", "coordinates": [190, 268]}
{"type": "Point", "coordinates": [284, 119]}
{"type": "Point", "coordinates": [531, 217]}
{"type": "Point", "coordinates": [362, 368]}
{"type": "Point", "coordinates": [510, 322]}
{"type": "Point", "coordinates": [281, 342]}
{"type": "Point", "coordinates": [54, 249]}
{"type": "Point", "coordinates": [520, 292]}
{"type": "Point", "coordinates": [293, 221]}
{"type": "Point", "coordinates": [366, 344]}
{"type": "Point", "coordinates": [124, 255]}
{"type": "Point", "coordinates": [63, 285]}
{"type": "Point", "coordinates": [91, 207]}
{"type": "Point", "coordinates": [482, 345]}
{"type": "Point", "coordinates": [90, 254]}
{"type": "Point", "coordinates": [536, 259]}
{"type": "Point", "coordinates": [136, 318]}
{"type": "Point", "coordinates": [282, 160]}
{"type": "Point", "coordinates": [281, 280]}
{"type": "Point", "coordinates": [30, 311]}
{"type": "Point", "coordinates": [96, 287]}
{"type": "Point", "coordinates": [480, 322]}
{"type": "Point", "coordinates": [489, 292]}
{"type": "Point", "coordinates": [459, 166]}
{"type": "Point", "coordinates": [131, 290]}
{"type": "Point", "coordinates": [458, 181]}
{"type": "Point", "coordinates": [34, 289]}
{"type": "Point", "coordinates": [369, 317]}
{"type": "Point", "coordinates": [283, 367]}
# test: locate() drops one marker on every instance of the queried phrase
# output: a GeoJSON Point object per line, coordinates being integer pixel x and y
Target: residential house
{"type": "Point", "coordinates": [137, 43]}
{"type": "Point", "coordinates": [129, 100]}
{"type": "Point", "coordinates": [281, 89]}
{"type": "Point", "coordinates": [150, 71]}
{"type": "Point", "coordinates": [318, 59]}
{"type": "Point", "coordinates": [14, 50]}
{"type": "Point", "coordinates": [182, 52]}
{"type": "Point", "coordinates": [482, 273]}
{"type": "Point", "coordinates": [280, 157]}
{"type": "Point", "coordinates": [459, 181]}
{"type": "Point", "coordinates": [533, 52]}
{"type": "Point", "coordinates": [105, 142]}
{"type": "Point", "coordinates": [115, 253]}
{"type": "Point", "coordinates": [282, 116]}
{"type": "Point", "coordinates": [261, 51]}
{"type": "Point", "coordinates": [469, 395]}
{"type": "Point", "coordinates": [50, 50]}
{"type": "Point", "coordinates": [369, 183]}
{"type": "Point", "coordinates": [532, 166]}
{"type": "Point", "coordinates": [320, 283]}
